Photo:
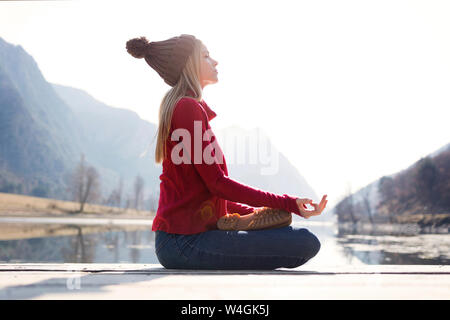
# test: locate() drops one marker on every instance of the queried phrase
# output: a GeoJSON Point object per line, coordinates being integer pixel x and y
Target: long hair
{"type": "Point", "coordinates": [189, 80]}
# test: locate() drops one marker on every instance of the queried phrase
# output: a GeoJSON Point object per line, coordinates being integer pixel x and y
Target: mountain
{"type": "Point", "coordinates": [440, 150]}
{"type": "Point", "coordinates": [421, 188]}
{"type": "Point", "coordinates": [39, 140]}
{"type": "Point", "coordinates": [46, 127]}
{"type": "Point", "coordinates": [115, 139]}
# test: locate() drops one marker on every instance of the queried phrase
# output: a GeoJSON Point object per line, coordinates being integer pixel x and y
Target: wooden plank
{"type": "Point", "coordinates": [159, 269]}
{"type": "Point", "coordinates": [193, 286]}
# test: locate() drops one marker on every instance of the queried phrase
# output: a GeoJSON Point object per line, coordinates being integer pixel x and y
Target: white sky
{"type": "Point", "coordinates": [349, 91]}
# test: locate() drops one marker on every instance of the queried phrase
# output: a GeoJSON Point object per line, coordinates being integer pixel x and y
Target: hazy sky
{"type": "Point", "coordinates": [349, 91]}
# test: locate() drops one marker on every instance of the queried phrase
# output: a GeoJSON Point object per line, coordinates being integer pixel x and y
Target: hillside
{"type": "Point", "coordinates": [39, 140]}
{"type": "Point", "coordinates": [23, 206]}
{"type": "Point", "coordinates": [421, 189]}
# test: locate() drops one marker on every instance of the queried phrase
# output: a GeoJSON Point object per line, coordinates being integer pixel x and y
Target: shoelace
{"type": "Point", "coordinates": [261, 218]}
{"type": "Point", "coordinates": [231, 219]}
{"type": "Point", "coordinates": [264, 217]}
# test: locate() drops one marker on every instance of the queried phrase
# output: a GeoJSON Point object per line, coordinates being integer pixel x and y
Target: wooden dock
{"type": "Point", "coordinates": [152, 281]}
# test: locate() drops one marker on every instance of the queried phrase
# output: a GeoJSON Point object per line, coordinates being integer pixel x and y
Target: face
{"type": "Point", "coordinates": [208, 71]}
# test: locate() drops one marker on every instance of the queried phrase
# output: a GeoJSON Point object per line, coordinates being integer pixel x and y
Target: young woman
{"type": "Point", "coordinates": [195, 192]}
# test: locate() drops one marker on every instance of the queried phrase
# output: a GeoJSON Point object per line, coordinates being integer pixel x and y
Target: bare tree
{"type": "Point", "coordinates": [350, 203]}
{"type": "Point", "coordinates": [425, 177]}
{"type": "Point", "coordinates": [115, 198]}
{"type": "Point", "coordinates": [119, 193]}
{"type": "Point", "coordinates": [365, 193]}
{"type": "Point", "coordinates": [345, 209]}
{"type": "Point", "coordinates": [387, 190]}
{"type": "Point", "coordinates": [128, 201]}
{"type": "Point", "coordinates": [84, 184]}
{"type": "Point", "coordinates": [138, 192]}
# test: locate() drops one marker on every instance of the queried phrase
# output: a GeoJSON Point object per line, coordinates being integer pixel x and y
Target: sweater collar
{"type": "Point", "coordinates": [209, 112]}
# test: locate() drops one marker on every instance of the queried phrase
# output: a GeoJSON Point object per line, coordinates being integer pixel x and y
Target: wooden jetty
{"type": "Point", "coordinates": [152, 281]}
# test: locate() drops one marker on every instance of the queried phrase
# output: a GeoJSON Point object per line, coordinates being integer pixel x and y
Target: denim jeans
{"type": "Point", "coordinates": [286, 247]}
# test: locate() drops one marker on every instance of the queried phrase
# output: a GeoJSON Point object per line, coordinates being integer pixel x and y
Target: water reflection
{"type": "Point", "coordinates": [84, 244]}
{"type": "Point", "coordinates": [411, 248]}
{"type": "Point", "coordinates": [52, 243]}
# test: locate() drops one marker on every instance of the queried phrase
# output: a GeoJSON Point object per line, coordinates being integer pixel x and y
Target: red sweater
{"type": "Point", "coordinates": [193, 196]}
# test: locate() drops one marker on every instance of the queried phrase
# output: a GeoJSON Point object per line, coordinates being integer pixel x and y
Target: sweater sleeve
{"type": "Point", "coordinates": [233, 207]}
{"type": "Point", "coordinates": [189, 116]}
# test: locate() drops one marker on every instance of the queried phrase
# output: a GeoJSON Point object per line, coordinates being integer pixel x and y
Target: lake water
{"type": "Point", "coordinates": [132, 241]}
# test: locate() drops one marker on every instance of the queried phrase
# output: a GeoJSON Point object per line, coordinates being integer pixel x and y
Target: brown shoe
{"type": "Point", "coordinates": [264, 218]}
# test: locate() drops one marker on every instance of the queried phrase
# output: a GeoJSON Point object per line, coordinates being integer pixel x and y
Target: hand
{"type": "Point", "coordinates": [318, 208]}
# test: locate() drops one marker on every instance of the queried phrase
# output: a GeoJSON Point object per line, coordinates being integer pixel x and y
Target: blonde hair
{"type": "Point", "coordinates": [189, 79]}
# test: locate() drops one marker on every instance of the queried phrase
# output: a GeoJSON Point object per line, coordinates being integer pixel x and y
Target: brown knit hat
{"type": "Point", "coordinates": [167, 57]}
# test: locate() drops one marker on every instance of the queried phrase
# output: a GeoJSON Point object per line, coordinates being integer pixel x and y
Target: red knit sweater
{"type": "Point", "coordinates": [193, 196]}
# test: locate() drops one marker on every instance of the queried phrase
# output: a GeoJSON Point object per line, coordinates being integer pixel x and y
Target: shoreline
{"type": "Point", "coordinates": [15, 205]}
{"type": "Point", "coordinates": [404, 225]}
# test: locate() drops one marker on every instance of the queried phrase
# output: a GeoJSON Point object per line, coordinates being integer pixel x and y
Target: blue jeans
{"type": "Point", "coordinates": [287, 247]}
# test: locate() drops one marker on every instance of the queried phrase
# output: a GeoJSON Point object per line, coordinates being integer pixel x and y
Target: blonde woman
{"type": "Point", "coordinates": [205, 220]}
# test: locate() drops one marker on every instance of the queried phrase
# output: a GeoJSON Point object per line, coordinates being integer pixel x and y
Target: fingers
{"type": "Point", "coordinates": [323, 203]}
{"type": "Point", "coordinates": [318, 208]}
{"type": "Point", "coordinates": [302, 203]}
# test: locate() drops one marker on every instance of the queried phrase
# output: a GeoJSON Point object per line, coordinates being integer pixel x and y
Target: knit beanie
{"type": "Point", "coordinates": [167, 57]}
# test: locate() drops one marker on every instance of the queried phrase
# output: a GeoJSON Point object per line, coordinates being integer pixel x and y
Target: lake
{"type": "Point", "coordinates": [82, 240]}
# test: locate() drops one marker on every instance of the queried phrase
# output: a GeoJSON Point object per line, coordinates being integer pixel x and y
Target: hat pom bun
{"type": "Point", "coordinates": [138, 47]}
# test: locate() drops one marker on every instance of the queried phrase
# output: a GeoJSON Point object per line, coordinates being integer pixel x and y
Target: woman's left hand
{"type": "Point", "coordinates": [318, 208]}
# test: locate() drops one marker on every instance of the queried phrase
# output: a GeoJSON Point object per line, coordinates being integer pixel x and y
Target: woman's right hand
{"type": "Point", "coordinates": [318, 208]}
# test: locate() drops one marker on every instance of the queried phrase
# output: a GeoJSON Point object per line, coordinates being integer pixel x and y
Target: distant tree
{"type": "Point", "coordinates": [40, 191]}
{"type": "Point", "coordinates": [138, 192]}
{"type": "Point", "coordinates": [115, 198]}
{"type": "Point", "coordinates": [19, 188]}
{"type": "Point", "coordinates": [7, 187]}
{"type": "Point", "coordinates": [442, 188]}
{"type": "Point", "coordinates": [128, 201]}
{"type": "Point", "coordinates": [84, 184]}
{"type": "Point", "coordinates": [10, 187]}
{"type": "Point", "coordinates": [345, 209]}
{"type": "Point", "coordinates": [386, 188]}
{"type": "Point", "coordinates": [350, 204]}
{"type": "Point", "coordinates": [365, 193]}
{"type": "Point", "coordinates": [119, 193]}
{"type": "Point", "coordinates": [425, 179]}
{"type": "Point", "coordinates": [405, 191]}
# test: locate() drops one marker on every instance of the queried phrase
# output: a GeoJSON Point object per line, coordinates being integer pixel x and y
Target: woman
{"type": "Point", "coordinates": [195, 190]}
